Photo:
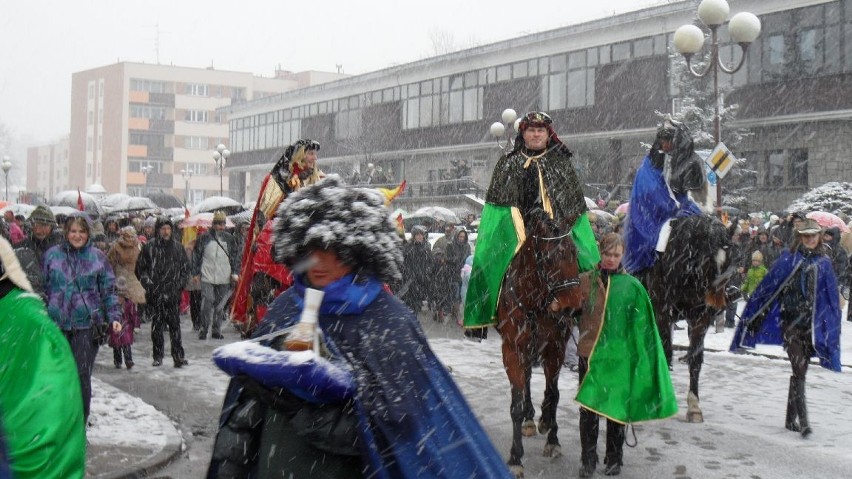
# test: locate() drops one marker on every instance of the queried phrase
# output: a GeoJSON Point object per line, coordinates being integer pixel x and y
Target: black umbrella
{"type": "Point", "coordinates": [165, 200]}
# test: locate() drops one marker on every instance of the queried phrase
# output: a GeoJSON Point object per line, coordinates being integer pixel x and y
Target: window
{"type": "Point", "coordinates": [556, 91]}
{"type": "Point", "coordinates": [147, 111]}
{"type": "Point", "coordinates": [347, 124]}
{"type": "Point", "coordinates": [91, 117]}
{"type": "Point", "coordinates": [807, 45]}
{"type": "Point", "coordinates": [91, 90]}
{"type": "Point", "coordinates": [799, 168]}
{"type": "Point", "coordinates": [620, 51]}
{"type": "Point", "coordinates": [196, 143]}
{"type": "Point", "coordinates": [196, 116]}
{"type": "Point", "coordinates": [775, 49]}
{"type": "Point", "coordinates": [89, 144]}
{"type": "Point", "coordinates": [775, 169]}
{"type": "Point", "coordinates": [147, 85]}
{"type": "Point", "coordinates": [196, 89]}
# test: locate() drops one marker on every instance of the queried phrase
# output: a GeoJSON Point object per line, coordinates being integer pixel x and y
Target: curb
{"type": "Point", "coordinates": [172, 448]}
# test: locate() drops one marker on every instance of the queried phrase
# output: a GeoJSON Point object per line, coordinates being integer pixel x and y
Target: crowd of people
{"type": "Point", "coordinates": [99, 281]}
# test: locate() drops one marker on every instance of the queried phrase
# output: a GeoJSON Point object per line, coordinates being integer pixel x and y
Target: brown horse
{"type": "Point", "coordinates": [688, 280]}
{"type": "Point", "coordinates": [541, 282]}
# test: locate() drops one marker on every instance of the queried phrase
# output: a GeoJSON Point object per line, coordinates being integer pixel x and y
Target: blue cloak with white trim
{"type": "Point", "coordinates": [826, 314]}
{"type": "Point", "coordinates": [652, 203]}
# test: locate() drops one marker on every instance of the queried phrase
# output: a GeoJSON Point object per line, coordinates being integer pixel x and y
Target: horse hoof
{"type": "Point", "coordinates": [517, 471]}
{"type": "Point", "coordinates": [552, 450]}
{"type": "Point", "coordinates": [693, 410]}
{"type": "Point", "coordinates": [528, 428]}
{"type": "Point", "coordinates": [543, 427]}
{"type": "Point", "coordinates": [694, 417]}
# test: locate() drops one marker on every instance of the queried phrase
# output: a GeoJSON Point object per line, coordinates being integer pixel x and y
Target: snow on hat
{"type": "Point", "coordinates": [150, 221]}
{"type": "Point", "coordinates": [42, 214]}
{"type": "Point", "coordinates": [10, 268]}
{"type": "Point", "coordinates": [219, 217]}
{"type": "Point", "coordinates": [757, 256]}
{"type": "Point", "coordinates": [353, 222]}
{"type": "Point", "coordinates": [808, 227]}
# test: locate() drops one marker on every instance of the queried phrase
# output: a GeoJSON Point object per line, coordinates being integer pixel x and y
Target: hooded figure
{"type": "Point", "coordinates": [669, 171]}
{"type": "Point", "coordinates": [261, 279]}
{"type": "Point", "coordinates": [407, 417]}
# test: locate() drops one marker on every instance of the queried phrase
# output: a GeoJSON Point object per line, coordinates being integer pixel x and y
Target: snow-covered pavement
{"type": "Point", "coordinates": [743, 398]}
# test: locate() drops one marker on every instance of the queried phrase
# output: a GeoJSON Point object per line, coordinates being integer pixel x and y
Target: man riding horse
{"type": "Point", "coordinates": [535, 175]}
{"type": "Point", "coordinates": [660, 192]}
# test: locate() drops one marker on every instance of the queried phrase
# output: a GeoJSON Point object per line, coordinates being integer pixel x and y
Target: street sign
{"type": "Point", "coordinates": [721, 160]}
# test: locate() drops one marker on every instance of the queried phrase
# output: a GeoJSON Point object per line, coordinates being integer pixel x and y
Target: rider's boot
{"type": "Point", "coordinates": [614, 445]}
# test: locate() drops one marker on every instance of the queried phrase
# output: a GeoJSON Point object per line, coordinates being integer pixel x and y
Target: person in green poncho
{"type": "Point", "coordinates": [536, 174]}
{"type": "Point", "coordinates": [623, 372]}
{"type": "Point", "coordinates": [42, 434]}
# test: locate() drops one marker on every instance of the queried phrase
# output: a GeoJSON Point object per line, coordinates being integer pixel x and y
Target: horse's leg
{"type": "Point", "coordinates": [528, 426]}
{"type": "Point", "coordinates": [552, 364]}
{"type": "Point", "coordinates": [664, 326]}
{"type": "Point", "coordinates": [513, 362]}
{"type": "Point", "coordinates": [695, 359]}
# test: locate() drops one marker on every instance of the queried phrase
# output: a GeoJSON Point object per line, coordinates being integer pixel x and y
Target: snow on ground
{"type": "Point", "coordinates": [743, 398]}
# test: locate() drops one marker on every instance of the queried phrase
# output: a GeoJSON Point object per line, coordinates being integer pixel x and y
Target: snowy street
{"type": "Point", "coordinates": [743, 398]}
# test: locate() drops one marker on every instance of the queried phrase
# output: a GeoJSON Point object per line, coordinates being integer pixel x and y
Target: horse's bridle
{"type": "Point", "coordinates": [553, 290]}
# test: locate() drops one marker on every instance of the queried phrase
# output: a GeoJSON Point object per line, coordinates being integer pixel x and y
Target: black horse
{"type": "Point", "coordinates": [689, 281]}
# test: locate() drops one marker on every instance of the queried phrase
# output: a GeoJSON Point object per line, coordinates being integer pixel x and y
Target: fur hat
{"type": "Point", "coordinates": [353, 222]}
{"type": "Point", "coordinates": [42, 214]}
{"type": "Point", "coordinates": [10, 268]}
{"type": "Point", "coordinates": [219, 217]}
{"type": "Point", "coordinates": [757, 256]}
{"type": "Point", "coordinates": [809, 227]}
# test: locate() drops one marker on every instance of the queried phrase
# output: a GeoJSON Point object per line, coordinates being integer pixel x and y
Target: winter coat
{"type": "Point", "coordinates": [838, 256]}
{"type": "Point", "coordinates": [163, 270]}
{"type": "Point", "coordinates": [753, 277]}
{"type": "Point", "coordinates": [41, 406]}
{"type": "Point", "coordinates": [411, 418]}
{"type": "Point", "coordinates": [30, 253]}
{"type": "Point", "coordinates": [458, 252]}
{"type": "Point", "coordinates": [228, 244]}
{"type": "Point", "coordinates": [417, 265]}
{"type": "Point", "coordinates": [80, 287]}
{"type": "Point", "coordinates": [129, 322]}
{"type": "Point", "coordinates": [123, 256]}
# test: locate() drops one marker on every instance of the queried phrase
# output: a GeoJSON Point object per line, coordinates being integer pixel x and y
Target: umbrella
{"type": "Point", "coordinates": [203, 220]}
{"type": "Point", "coordinates": [590, 203]}
{"type": "Point", "coordinates": [165, 200]}
{"type": "Point", "coordinates": [108, 201]}
{"type": "Point", "coordinates": [69, 198]}
{"type": "Point", "coordinates": [242, 217]}
{"type": "Point", "coordinates": [132, 203]}
{"type": "Point", "coordinates": [603, 214]}
{"type": "Point", "coordinates": [436, 212]}
{"type": "Point", "coordinates": [215, 203]}
{"type": "Point", "coordinates": [63, 210]}
{"type": "Point", "coordinates": [828, 220]}
{"type": "Point", "coordinates": [622, 209]}
{"type": "Point", "coordinates": [19, 209]}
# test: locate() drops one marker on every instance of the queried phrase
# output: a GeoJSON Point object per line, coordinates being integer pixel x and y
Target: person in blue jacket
{"type": "Point", "coordinates": [406, 417]}
{"type": "Point", "coordinates": [797, 305]}
{"type": "Point", "coordinates": [670, 170]}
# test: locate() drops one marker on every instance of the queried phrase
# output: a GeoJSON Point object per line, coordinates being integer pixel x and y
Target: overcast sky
{"type": "Point", "coordinates": [42, 42]}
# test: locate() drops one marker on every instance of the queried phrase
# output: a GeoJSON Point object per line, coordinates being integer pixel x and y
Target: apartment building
{"type": "Point", "coordinates": [139, 128]}
{"type": "Point", "coordinates": [47, 168]}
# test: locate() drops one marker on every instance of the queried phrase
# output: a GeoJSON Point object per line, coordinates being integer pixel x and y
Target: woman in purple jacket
{"type": "Point", "coordinates": [81, 299]}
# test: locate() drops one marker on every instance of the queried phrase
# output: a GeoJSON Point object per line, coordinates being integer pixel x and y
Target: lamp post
{"type": "Point", "coordinates": [220, 156]}
{"type": "Point", "coordinates": [187, 174]}
{"type": "Point", "coordinates": [744, 28]}
{"type": "Point", "coordinates": [7, 165]}
{"type": "Point", "coordinates": [145, 171]}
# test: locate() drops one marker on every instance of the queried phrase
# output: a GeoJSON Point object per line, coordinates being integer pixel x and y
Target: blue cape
{"type": "Point", "coordinates": [651, 204]}
{"type": "Point", "coordinates": [414, 421]}
{"type": "Point", "coordinates": [826, 318]}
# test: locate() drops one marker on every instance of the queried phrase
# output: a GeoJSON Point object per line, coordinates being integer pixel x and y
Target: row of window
{"type": "Point", "coordinates": [777, 168]}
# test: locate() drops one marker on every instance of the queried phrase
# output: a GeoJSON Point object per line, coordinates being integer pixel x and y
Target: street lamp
{"type": "Point", "coordinates": [187, 174]}
{"type": "Point", "coordinates": [145, 170]}
{"type": "Point", "coordinates": [7, 165]}
{"type": "Point", "coordinates": [220, 156]}
{"type": "Point", "coordinates": [744, 28]}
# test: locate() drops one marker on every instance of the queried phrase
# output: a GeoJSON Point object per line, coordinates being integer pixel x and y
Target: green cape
{"type": "Point", "coordinates": [496, 243]}
{"type": "Point", "coordinates": [41, 403]}
{"type": "Point", "coordinates": [628, 379]}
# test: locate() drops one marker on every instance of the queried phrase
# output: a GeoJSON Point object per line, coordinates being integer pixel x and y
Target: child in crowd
{"type": "Point", "coordinates": [755, 274]}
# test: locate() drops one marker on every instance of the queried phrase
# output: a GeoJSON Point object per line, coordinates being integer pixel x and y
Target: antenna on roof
{"type": "Point", "coordinates": [339, 68]}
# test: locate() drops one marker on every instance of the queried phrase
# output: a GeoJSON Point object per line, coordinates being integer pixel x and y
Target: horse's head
{"type": "Point", "coordinates": [556, 258]}
{"type": "Point", "coordinates": [687, 170]}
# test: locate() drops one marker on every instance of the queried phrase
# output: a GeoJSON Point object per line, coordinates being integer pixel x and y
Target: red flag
{"type": "Point", "coordinates": [80, 201]}
{"type": "Point", "coordinates": [186, 212]}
